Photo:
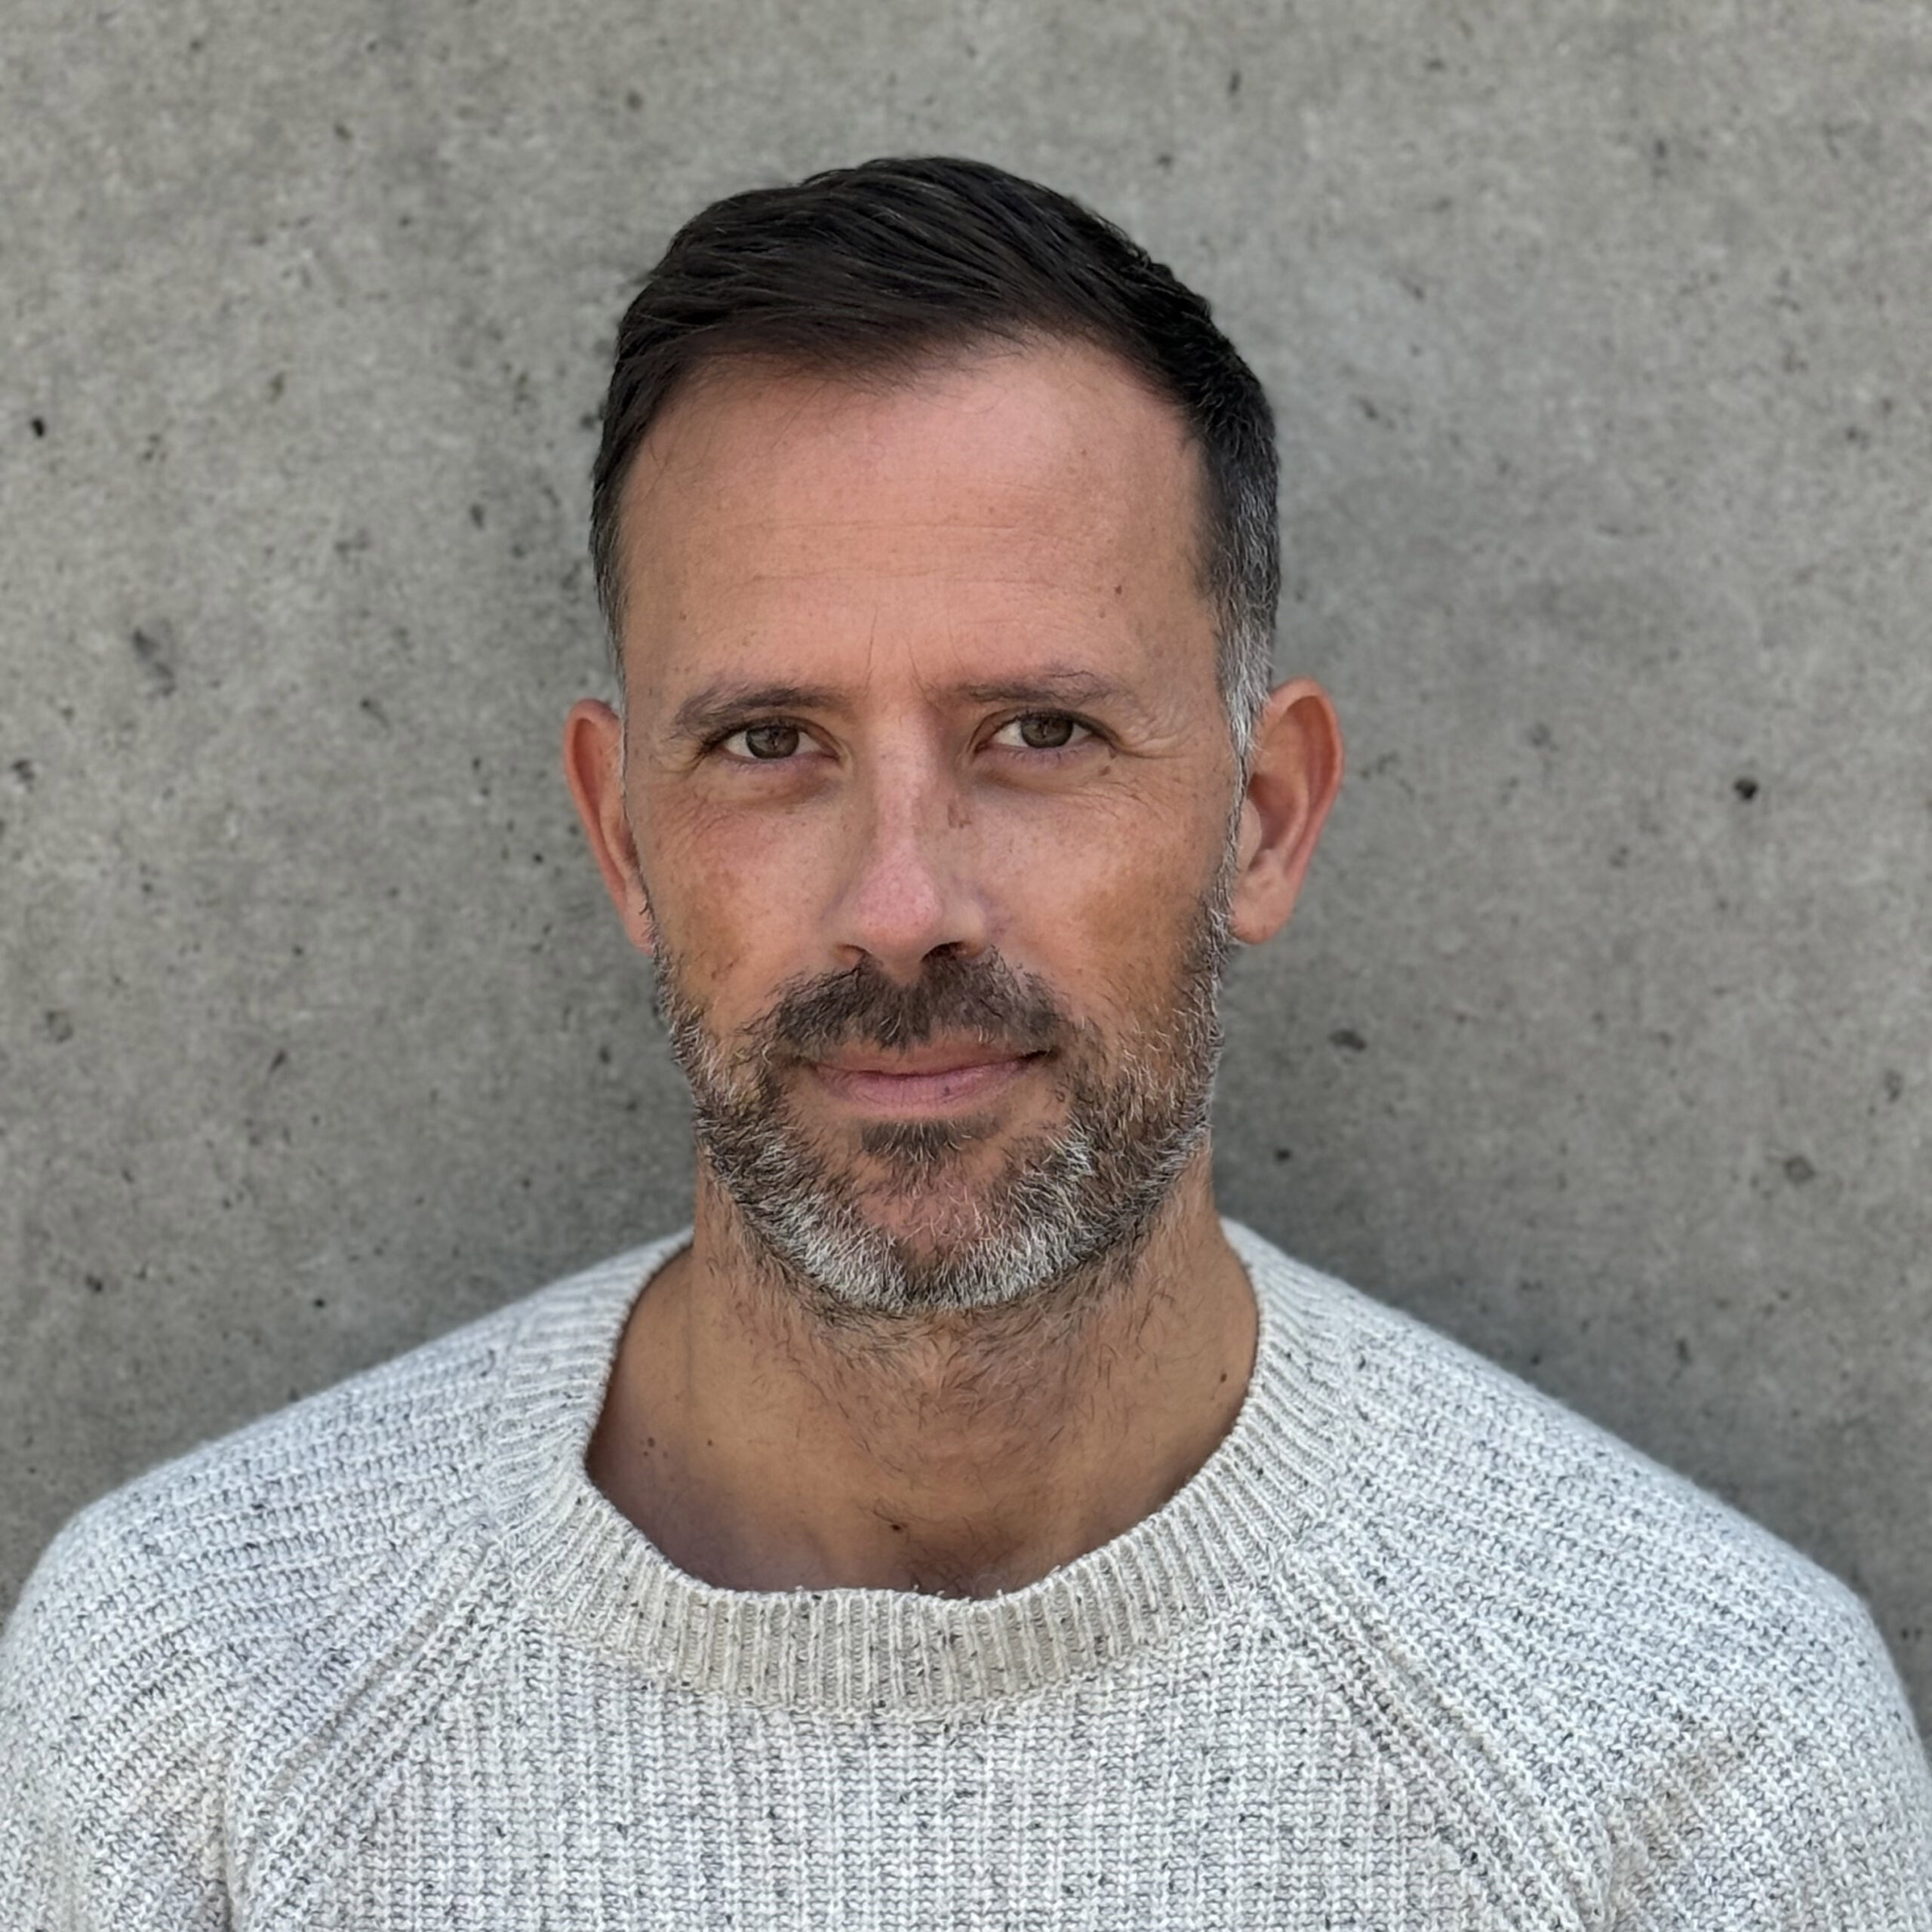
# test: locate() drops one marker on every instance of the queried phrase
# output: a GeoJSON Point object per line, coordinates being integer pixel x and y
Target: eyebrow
{"type": "Point", "coordinates": [1051, 685]}
{"type": "Point", "coordinates": [719, 706]}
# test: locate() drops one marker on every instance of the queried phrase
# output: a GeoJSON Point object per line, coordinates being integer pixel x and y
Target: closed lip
{"type": "Point", "coordinates": [931, 1080]}
{"type": "Point", "coordinates": [924, 1060]}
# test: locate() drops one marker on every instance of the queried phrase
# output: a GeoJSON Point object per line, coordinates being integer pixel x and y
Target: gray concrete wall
{"type": "Point", "coordinates": [1600, 341]}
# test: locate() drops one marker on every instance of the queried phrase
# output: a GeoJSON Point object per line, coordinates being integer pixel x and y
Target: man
{"type": "Point", "coordinates": [962, 1526]}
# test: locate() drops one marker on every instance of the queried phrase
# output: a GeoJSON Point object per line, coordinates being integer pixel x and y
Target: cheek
{"type": "Point", "coordinates": [735, 895]}
{"type": "Point", "coordinates": [1103, 909]}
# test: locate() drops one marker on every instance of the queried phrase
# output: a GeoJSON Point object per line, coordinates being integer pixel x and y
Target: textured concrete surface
{"type": "Point", "coordinates": [1599, 340]}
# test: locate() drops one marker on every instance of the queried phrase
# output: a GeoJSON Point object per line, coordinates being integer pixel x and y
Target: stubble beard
{"type": "Point", "coordinates": [1066, 1208]}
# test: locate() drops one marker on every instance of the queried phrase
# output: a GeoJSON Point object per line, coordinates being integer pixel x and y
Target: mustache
{"type": "Point", "coordinates": [985, 996]}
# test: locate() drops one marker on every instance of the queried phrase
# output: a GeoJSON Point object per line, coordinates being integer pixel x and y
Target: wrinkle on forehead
{"type": "Point", "coordinates": [1053, 469]}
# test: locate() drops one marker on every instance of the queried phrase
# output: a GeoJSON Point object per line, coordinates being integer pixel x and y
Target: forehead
{"type": "Point", "coordinates": [957, 520]}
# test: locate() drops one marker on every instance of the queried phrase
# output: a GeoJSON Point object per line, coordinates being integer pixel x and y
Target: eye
{"type": "Point", "coordinates": [1042, 731]}
{"type": "Point", "coordinates": [765, 742]}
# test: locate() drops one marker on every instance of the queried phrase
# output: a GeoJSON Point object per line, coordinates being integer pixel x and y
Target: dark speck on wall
{"type": "Point", "coordinates": [1798, 1170]}
{"type": "Point", "coordinates": [155, 648]}
{"type": "Point", "coordinates": [1347, 1039]}
{"type": "Point", "coordinates": [39, 424]}
{"type": "Point", "coordinates": [1747, 789]}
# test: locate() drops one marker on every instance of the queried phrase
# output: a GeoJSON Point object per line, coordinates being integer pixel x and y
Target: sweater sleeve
{"type": "Point", "coordinates": [109, 1758]}
{"type": "Point", "coordinates": [1811, 1811]}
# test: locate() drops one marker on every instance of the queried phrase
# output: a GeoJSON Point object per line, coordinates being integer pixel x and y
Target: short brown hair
{"type": "Point", "coordinates": [893, 260]}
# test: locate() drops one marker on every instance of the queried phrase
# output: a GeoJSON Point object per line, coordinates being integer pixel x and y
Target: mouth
{"type": "Point", "coordinates": [927, 1081]}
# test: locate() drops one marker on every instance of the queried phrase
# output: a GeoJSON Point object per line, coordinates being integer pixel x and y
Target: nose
{"type": "Point", "coordinates": [908, 889]}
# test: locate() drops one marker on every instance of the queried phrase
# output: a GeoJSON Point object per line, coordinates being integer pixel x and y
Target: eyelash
{"type": "Point", "coordinates": [1090, 732]}
{"type": "Point", "coordinates": [719, 741]}
{"type": "Point", "coordinates": [1080, 725]}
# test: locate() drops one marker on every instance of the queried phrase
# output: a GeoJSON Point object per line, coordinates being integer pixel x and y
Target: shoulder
{"type": "Point", "coordinates": [205, 1620]}
{"type": "Point", "coordinates": [328, 1491]}
{"type": "Point", "coordinates": [1573, 1629]}
{"type": "Point", "coordinates": [1473, 1504]}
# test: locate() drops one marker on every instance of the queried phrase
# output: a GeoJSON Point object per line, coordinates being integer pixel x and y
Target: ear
{"type": "Point", "coordinates": [1293, 775]}
{"type": "Point", "coordinates": [594, 765]}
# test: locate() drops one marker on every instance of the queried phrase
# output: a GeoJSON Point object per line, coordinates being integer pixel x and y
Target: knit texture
{"type": "Point", "coordinates": [1415, 1647]}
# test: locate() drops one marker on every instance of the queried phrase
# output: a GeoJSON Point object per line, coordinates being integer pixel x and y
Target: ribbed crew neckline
{"type": "Point", "coordinates": [581, 1564]}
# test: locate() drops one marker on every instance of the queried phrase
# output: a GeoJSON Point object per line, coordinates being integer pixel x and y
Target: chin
{"type": "Point", "coordinates": [941, 1211]}
{"type": "Point", "coordinates": [927, 1231]}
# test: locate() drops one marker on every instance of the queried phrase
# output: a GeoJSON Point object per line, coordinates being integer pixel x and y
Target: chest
{"type": "Point", "coordinates": [1222, 1789]}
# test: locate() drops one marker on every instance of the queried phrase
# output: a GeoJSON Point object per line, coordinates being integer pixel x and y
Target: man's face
{"type": "Point", "coordinates": [931, 784]}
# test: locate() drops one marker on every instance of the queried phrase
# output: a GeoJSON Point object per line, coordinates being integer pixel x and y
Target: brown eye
{"type": "Point", "coordinates": [770, 741]}
{"type": "Point", "coordinates": [1046, 730]}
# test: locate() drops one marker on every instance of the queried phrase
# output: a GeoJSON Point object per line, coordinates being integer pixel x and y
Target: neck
{"type": "Point", "coordinates": [763, 1444]}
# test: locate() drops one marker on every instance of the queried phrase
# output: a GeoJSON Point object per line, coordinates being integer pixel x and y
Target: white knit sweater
{"type": "Point", "coordinates": [1415, 1648]}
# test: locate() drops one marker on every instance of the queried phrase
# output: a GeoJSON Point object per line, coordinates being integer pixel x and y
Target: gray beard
{"type": "Point", "coordinates": [1075, 1204]}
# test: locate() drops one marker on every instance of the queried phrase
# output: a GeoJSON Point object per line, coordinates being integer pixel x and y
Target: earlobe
{"type": "Point", "coordinates": [1293, 774]}
{"type": "Point", "coordinates": [594, 768]}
